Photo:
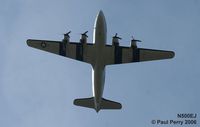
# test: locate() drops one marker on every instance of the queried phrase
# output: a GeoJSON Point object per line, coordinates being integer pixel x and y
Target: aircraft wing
{"type": "Point", "coordinates": [76, 51]}
{"type": "Point", "coordinates": [120, 54]}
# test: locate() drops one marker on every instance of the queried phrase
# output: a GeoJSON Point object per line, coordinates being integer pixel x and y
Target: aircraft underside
{"type": "Point", "coordinates": [99, 54]}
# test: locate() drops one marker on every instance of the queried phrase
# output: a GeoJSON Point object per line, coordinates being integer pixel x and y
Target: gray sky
{"type": "Point", "coordinates": [37, 89]}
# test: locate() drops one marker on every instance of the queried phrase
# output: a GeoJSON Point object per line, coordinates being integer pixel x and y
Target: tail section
{"type": "Point", "coordinates": [90, 103]}
{"type": "Point", "coordinates": [107, 104]}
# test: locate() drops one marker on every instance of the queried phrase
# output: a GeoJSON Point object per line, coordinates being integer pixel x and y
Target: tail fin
{"type": "Point", "coordinates": [107, 104]}
{"type": "Point", "coordinates": [89, 103]}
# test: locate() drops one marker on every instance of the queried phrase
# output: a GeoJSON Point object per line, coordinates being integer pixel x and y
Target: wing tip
{"type": "Point", "coordinates": [28, 42]}
{"type": "Point", "coordinates": [172, 55]}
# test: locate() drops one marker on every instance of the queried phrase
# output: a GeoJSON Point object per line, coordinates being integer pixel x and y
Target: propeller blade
{"type": "Point", "coordinates": [133, 39]}
{"type": "Point", "coordinates": [117, 37]}
{"type": "Point", "coordinates": [85, 33]}
{"type": "Point", "coordinates": [67, 34]}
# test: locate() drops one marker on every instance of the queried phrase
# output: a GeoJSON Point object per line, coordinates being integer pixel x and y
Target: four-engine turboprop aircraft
{"type": "Point", "coordinates": [99, 54]}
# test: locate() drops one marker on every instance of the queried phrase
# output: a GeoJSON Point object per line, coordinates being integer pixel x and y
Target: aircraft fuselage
{"type": "Point", "coordinates": [98, 71]}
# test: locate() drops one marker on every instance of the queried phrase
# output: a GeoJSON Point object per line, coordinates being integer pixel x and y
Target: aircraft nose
{"type": "Point", "coordinates": [101, 16]}
{"type": "Point", "coordinates": [100, 13]}
{"type": "Point", "coordinates": [100, 29]}
{"type": "Point", "coordinates": [100, 20]}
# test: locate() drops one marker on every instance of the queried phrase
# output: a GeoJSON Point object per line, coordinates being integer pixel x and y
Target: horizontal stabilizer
{"type": "Point", "coordinates": [107, 104]}
{"type": "Point", "coordinates": [90, 103]}
{"type": "Point", "coordinates": [85, 102]}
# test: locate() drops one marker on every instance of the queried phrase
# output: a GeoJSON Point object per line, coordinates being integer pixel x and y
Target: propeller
{"type": "Point", "coordinates": [133, 39]}
{"type": "Point", "coordinates": [67, 34]}
{"type": "Point", "coordinates": [117, 37]}
{"type": "Point", "coordinates": [85, 34]}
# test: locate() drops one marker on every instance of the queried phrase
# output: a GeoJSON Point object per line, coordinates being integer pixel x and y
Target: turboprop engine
{"type": "Point", "coordinates": [84, 37]}
{"type": "Point", "coordinates": [115, 40]}
{"type": "Point", "coordinates": [66, 37]}
{"type": "Point", "coordinates": [134, 42]}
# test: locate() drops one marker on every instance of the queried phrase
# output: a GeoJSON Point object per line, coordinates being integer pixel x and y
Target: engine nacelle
{"type": "Point", "coordinates": [115, 41]}
{"type": "Point", "coordinates": [133, 44]}
{"type": "Point", "coordinates": [83, 39]}
{"type": "Point", "coordinates": [66, 37]}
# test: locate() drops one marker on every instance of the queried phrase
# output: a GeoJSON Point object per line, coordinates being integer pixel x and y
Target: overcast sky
{"type": "Point", "coordinates": [37, 88]}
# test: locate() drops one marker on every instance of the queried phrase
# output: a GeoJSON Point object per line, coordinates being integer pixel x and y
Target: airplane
{"type": "Point", "coordinates": [99, 54]}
